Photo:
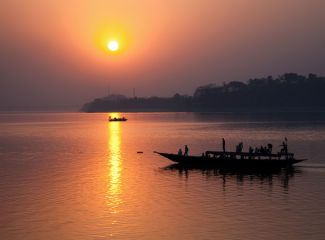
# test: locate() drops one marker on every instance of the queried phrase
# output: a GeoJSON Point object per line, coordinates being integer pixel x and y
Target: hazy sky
{"type": "Point", "coordinates": [53, 52]}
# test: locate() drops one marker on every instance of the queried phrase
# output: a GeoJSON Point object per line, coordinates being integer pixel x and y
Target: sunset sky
{"type": "Point", "coordinates": [54, 52]}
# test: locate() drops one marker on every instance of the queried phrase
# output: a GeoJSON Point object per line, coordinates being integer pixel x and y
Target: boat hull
{"type": "Point", "coordinates": [118, 120]}
{"type": "Point", "coordinates": [229, 162]}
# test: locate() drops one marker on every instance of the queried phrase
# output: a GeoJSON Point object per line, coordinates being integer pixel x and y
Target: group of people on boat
{"type": "Point", "coordinates": [263, 150]}
{"type": "Point", "coordinates": [259, 150]}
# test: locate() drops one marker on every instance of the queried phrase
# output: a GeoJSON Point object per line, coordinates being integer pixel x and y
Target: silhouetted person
{"type": "Point", "coordinates": [186, 151]}
{"type": "Point", "coordinates": [180, 152]}
{"type": "Point", "coordinates": [261, 149]}
{"type": "Point", "coordinates": [256, 150]}
{"type": "Point", "coordinates": [269, 146]}
{"type": "Point", "coordinates": [250, 150]}
{"type": "Point", "coordinates": [223, 145]}
{"type": "Point", "coordinates": [239, 147]}
{"type": "Point", "coordinates": [284, 147]}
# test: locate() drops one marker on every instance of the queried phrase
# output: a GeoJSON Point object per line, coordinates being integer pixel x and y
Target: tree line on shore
{"type": "Point", "coordinates": [287, 91]}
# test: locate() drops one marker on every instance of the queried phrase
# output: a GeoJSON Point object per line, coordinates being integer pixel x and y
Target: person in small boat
{"type": "Point", "coordinates": [186, 150]}
{"type": "Point", "coordinates": [223, 144]}
{"type": "Point", "coordinates": [180, 152]}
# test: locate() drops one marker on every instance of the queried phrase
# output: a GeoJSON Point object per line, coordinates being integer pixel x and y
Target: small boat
{"type": "Point", "coordinates": [235, 159]}
{"type": "Point", "coordinates": [115, 119]}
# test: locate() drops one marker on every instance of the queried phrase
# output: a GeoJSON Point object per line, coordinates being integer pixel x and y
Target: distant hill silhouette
{"type": "Point", "coordinates": [289, 91]}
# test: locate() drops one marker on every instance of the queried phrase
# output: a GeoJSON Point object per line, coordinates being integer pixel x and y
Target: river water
{"type": "Point", "coordinates": [77, 176]}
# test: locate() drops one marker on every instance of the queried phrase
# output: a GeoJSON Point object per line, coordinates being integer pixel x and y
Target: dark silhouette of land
{"type": "Point", "coordinates": [289, 91]}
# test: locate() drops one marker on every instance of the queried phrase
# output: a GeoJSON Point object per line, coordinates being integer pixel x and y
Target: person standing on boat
{"type": "Point", "coordinates": [284, 146]}
{"type": "Point", "coordinates": [180, 152]}
{"type": "Point", "coordinates": [241, 146]}
{"type": "Point", "coordinates": [186, 150]}
{"type": "Point", "coordinates": [269, 148]}
{"type": "Point", "coordinates": [223, 145]}
{"type": "Point", "coordinates": [250, 150]}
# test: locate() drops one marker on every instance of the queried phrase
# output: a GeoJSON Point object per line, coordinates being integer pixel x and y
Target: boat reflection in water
{"type": "Point", "coordinates": [114, 167]}
{"type": "Point", "coordinates": [259, 176]}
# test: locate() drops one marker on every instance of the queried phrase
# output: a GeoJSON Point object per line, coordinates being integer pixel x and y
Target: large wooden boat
{"type": "Point", "coordinates": [234, 159]}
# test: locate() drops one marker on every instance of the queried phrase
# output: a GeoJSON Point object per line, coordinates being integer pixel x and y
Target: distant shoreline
{"type": "Point", "coordinates": [288, 92]}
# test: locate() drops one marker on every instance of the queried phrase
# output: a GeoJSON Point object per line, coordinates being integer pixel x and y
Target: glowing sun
{"type": "Point", "coordinates": [113, 46]}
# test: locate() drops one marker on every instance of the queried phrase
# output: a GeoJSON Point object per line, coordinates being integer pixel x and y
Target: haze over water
{"type": "Point", "coordinates": [77, 176]}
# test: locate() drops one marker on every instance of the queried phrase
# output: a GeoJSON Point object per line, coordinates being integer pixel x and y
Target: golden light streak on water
{"type": "Point", "coordinates": [114, 166]}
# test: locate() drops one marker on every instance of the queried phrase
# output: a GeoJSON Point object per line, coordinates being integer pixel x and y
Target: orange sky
{"type": "Point", "coordinates": [52, 51]}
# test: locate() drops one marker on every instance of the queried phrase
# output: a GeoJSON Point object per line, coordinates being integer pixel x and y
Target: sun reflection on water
{"type": "Point", "coordinates": [114, 166]}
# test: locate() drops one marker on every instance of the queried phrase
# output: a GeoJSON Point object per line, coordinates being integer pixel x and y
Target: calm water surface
{"type": "Point", "coordinates": [76, 176]}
